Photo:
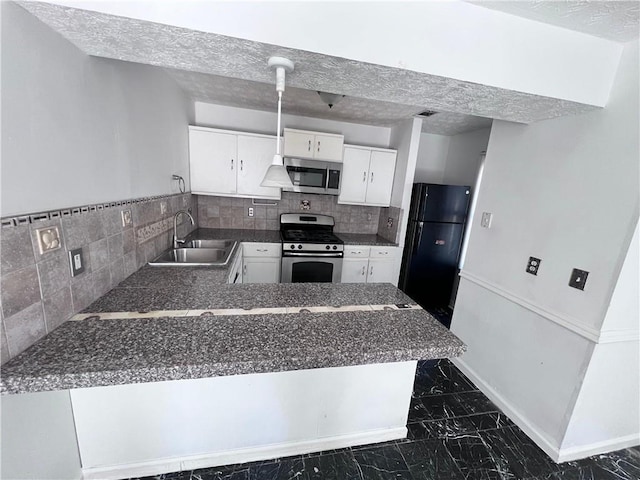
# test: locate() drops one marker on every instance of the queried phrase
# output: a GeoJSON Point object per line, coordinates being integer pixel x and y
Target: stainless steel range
{"type": "Point", "coordinates": [310, 250]}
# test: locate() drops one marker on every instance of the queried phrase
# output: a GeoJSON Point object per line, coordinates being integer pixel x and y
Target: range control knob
{"type": "Point", "coordinates": [299, 247]}
{"type": "Point", "coordinates": [292, 247]}
{"type": "Point", "coordinates": [335, 247]}
{"type": "Point", "coordinates": [328, 247]}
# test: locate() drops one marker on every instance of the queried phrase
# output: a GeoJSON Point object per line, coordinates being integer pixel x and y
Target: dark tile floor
{"type": "Point", "coordinates": [455, 433]}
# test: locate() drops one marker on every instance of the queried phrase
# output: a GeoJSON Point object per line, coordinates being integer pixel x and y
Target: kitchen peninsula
{"type": "Point", "coordinates": [175, 370]}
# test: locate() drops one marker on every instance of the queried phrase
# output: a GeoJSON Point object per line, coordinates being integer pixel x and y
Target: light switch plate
{"type": "Point", "coordinates": [76, 261]}
{"type": "Point", "coordinates": [578, 278]}
{"type": "Point", "coordinates": [163, 208]}
{"type": "Point", "coordinates": [126, 217]}
{"type": "Point", "coordinates": [48, 239]}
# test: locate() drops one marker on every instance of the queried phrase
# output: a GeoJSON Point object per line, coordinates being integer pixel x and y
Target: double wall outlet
{"type": "Point", "coordinates": [485, 222]}
{"type": "Point", "coordinates": [250, 212]}
{"type": "Point", "coordinates": [163, 208]}
{"type": "Point", "coordinates": [126, 218]}
{"type": "Point", "coordinates": [533, 265]}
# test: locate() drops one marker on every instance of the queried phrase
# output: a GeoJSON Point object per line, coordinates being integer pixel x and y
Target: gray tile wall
{"type": "Point", "coordinates": [37, 292]}
{"type": "Point", "coordinates": [389, 232]}
{"type": "Point", "coordinates": [227, 212]}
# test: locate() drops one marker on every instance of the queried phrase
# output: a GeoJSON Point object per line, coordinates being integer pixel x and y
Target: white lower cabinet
{"type": "Point", "coordinates": [363, 264]}
{"type": "Point", "coordinates": [235, 272]}
{"type": "Point", "coordinates": [261, 262]}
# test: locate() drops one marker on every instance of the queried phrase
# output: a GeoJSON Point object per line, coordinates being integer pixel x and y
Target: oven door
{"type": "Point", "coordinates": [301, 267]}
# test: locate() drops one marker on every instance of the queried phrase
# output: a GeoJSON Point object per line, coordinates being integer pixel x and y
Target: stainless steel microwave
{"type": "Point", "coordinates": [311, 176]}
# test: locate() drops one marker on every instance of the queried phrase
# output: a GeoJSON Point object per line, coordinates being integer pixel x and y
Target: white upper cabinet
{"type": "Point", "coordinates": [213, 161]}
{"type": "Point", "coordinates": [316, 145]}
{"type": "Point", "coordinates": [254, 157]}
{"type": "Point", "coordinates": [355, 174]}
{"type": "Point", "coordinates": [367, 176]}
{"type": "Point", "coordinates": [230, 163]}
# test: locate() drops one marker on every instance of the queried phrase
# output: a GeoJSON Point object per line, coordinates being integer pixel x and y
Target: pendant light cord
{"type": "Point", "coordinates": [279, 115]}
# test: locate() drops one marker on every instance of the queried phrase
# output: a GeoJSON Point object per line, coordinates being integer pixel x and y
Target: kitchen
{"type": "Point", "coordinates": [127, 145]}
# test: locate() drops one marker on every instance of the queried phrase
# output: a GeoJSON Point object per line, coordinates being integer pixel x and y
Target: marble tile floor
{"type": "Point", "coordinates": [455, 433]}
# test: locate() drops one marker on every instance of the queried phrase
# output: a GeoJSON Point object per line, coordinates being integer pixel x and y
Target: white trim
{"type": "Point", "coordinates": [583, 451]}
{"type": "Point", "coordinates": [570, 323]}
{"type": "Point", "coordinates": [230, 457]}
{"type": "Point", "coordinates": [541, 439]}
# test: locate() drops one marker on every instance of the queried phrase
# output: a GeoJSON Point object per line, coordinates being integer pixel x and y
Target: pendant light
{"type": "Point", "coordinates": [277, 175]}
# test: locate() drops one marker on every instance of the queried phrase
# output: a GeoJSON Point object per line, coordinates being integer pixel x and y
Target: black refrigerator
{"type": "Point", "coordinates": [434, 239]}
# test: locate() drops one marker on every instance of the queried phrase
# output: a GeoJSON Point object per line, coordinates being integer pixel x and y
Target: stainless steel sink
{"type": "Point", "coordinates": [222, 244]}
{"type": "Point", "coordinates": [197, 257]}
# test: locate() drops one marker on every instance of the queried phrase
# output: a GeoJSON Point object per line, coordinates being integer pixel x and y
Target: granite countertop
{"type": "Point", "coordinates": [170, 288]}
{"type": "Point", "coordinates": [93, 353]}
{"type": "Point", "coordinates": [165, 323]}
{"type": "Point", "coordinates": [365, 239]}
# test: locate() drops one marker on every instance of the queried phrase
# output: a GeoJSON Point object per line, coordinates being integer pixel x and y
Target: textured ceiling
{"type": "Point", "coordinates": [447, 123]}
{"type": "Point", "coordinates": [230, 71]}
{"type": "Point", "coordinates": [614, 20]}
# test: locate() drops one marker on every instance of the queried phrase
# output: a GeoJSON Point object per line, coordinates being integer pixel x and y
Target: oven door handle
{"type": "Point", "coordinates": [309, 254]}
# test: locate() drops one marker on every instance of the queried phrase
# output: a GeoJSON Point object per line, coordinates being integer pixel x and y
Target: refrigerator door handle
{"type": "Point", "coordinates": [419, 238]}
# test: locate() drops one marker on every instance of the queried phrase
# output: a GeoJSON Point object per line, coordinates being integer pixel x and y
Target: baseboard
{"type": "Point", "coordinates": [532, 432]}
{"type": "Point", "coordinates": [242, 455]}
{"type": "Point", "coordinates": [582, 451]}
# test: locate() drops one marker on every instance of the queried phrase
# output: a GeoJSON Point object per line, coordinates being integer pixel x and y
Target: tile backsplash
{"type": "Point", "coordinates": [389, 222]}
{"type": "Point", "coordinates": [227, 212]}
{"type": "Point", "coordinates": [37, 292]}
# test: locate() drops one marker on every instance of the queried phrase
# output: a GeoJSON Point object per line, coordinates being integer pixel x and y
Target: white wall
{"type": "Point", "coordinates": [566, 191]}
{"type": "Point", "coordinates": [463, 157]}
{"type": "Point", "coordinates": [451, 39]}
{"type": "Point", "coordinates": [78, 130]}
{"type": "Point", "coordinates": [257, 121]}
{"type": "Point", "coordinates": [432, 158]}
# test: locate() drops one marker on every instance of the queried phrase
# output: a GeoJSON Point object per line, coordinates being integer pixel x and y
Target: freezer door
{"type": "Point", "coordinates": [433, 263]}
{"type": "Point", "coordinates": [440, 203]}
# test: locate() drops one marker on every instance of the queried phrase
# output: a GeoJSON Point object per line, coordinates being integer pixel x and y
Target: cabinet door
{"type": "Point", "coordinates": [354, 270]}
{"type": "Point", "coordinates": [328, 147]}
{"type": "Point", "coordinates": [381, 271]}
{"type": "Point", "coordinates": [212, 162]}
{"type": "Point", "coordinates": [380, 183]}
{"type": "Point", "coordinates": [355, 173]}
{"type": "Point", "coordinates": [254, 157]}
{"type": "Point", "coordinates": [261, 270]}
{"type": "Point", "coordinates": [298, 144]}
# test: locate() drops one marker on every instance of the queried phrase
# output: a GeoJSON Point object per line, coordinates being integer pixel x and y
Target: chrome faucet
{"type": "Point", "coordinates": [176, 240]}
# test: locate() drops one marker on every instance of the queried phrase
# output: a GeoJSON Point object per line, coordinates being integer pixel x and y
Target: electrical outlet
{"type": "Point", "coordinates": [48, 239]}
{"type": "Point", "coordinates": [533, 265]}
{"type": "Point", "coordinates": [77, 262]}
{"type": "Point", "coordinates": [126, 217]}
{"type": "Point", "coordinates": [486, 220]}
{"type": "Point", "coordinates": [369, 217]}
{"type": "Point", "coordinates": [163, 208]}
{"type": "Point", "coordinates": [578, 278]}
{"type": "Point", "coordinates": [185, 201]}
{"type": "Point", "coordinates": [389, 222]}
{"type": "Point", "coordinates": [251, 211]}
{"type": "Point", "coordinates": [305, 205]}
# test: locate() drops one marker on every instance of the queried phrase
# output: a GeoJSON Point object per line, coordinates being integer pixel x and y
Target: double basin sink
{"type": "Point", "coordinates": [198, 253]}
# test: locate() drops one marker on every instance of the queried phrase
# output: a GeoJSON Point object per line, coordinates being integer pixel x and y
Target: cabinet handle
{"type": "Point", "coordinates": [241, 164]}
{"type": "Point", "coordinates": [383, 253]}
{"type": "Point", "coordinates": [364, 176]}
{"type": "Point", "coordinates": [244, 269]}
{"type": "Point", "coordinates": [262, 249]}
{"type": "Point", "coordinates": [363, 270]}
{"type": "Point", "coordinates": [355, 252]}
{"type": "Point", "coordinates": [318, 145]}
{"type": "Point", "coordinates": [371, 177]}
{"type": "Point", "coordinates": [232, 164]}
{"type": "Point", "coordinates": [371, 270]}
{"type": "Point", "coordinates": [309, 147]}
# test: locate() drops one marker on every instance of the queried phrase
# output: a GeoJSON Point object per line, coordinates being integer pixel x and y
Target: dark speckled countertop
{"type": "Point", "coordinates": [365, 239]}
{"type": "Point", "coordinates": [123, 347]}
